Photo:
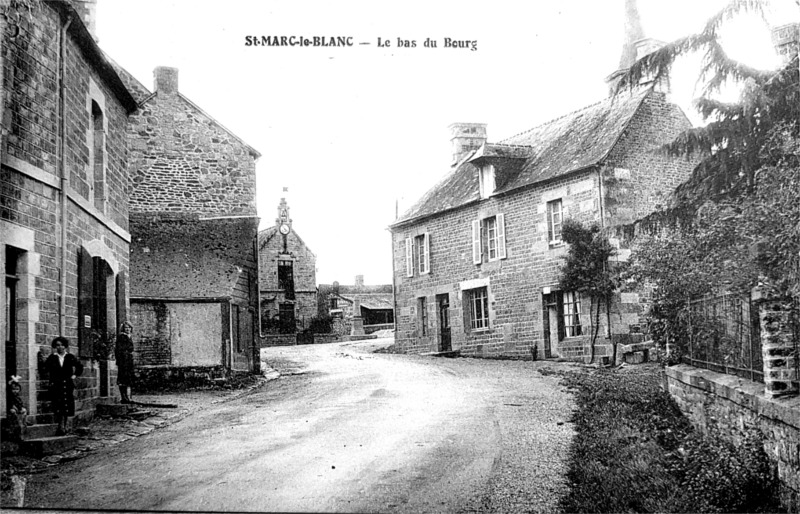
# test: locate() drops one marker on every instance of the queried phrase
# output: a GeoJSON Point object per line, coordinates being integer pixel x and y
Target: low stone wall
{"type": "Point", "coordinates": [369, 329]}
{"type": "Point", "coordinates": [155, 378]}
{"type": "Point", "coordinates": [277, 340]}
{"type": "Point", "coordinates": [729, 405]}
{"type": "Point", "coordinates": [326, 338]}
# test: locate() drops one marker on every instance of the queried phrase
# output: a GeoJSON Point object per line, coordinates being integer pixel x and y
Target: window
{"type": "Point", "coordinates": [478, 300]}
{"type": "Point", "coordinates": [488, 239]}
{"type": "Point", "coordinates": [554, 221]}
{"type": "Point", "coordinates": [286, 278]}
{"type": "Point", "coordinates": [10, 329]}
{"type": "Point", "coordinates": [486, 184]}
{"type": "Point", "coordinates": [98, 147]}
{"type": "Point", "coordinates": [572, 314]}
{"type": "Point", "coordinates": [422, 316]}
{"type": "Point", "coordinates": [334, 303]}
{"type": "Point", "coordinates": [418, 255]}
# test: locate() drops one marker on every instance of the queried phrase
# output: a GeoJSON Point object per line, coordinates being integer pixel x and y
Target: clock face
{"type": "Point", "coordinates": [284, 229]}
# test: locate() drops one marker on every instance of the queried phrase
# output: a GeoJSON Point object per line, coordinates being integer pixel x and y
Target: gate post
{"type": "Point", "coordinates": [778, 344]}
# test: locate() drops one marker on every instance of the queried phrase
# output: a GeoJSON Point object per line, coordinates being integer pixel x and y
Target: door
{"type": "Point", "coordinates": [552, 324]}
{"type": "Point", "coordinates": [443, 303]}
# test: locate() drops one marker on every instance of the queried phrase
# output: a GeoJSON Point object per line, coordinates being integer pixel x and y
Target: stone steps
{"type": "Point", "coordinates": [50, 445]}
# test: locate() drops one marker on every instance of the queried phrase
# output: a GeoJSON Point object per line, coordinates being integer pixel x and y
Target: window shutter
{"type": "Point", "coordinates": [122, 294]}
{"type": "Point", "coordinates": [476, 242]}
{"type": "Point", "coordinates": [85, 302]}
{"type": "Point", "coordinates": [409, 258]}
{"type": "Point", "coordinates": [426, 253]}
{"type": "Point", "coordinates": [501, 236]}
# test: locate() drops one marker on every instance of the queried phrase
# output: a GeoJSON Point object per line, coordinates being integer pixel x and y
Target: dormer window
{"type": "Point", "coordinates": [486, 180]}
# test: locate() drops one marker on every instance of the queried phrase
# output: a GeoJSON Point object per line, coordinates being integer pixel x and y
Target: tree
{"type": "Point", "coordinates": [587, 270]}
{"type": "Point", "coordinates": [736, 222]}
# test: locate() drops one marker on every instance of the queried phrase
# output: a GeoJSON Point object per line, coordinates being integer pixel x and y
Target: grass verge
{"type": "Point", "coordinates": [634, 451]}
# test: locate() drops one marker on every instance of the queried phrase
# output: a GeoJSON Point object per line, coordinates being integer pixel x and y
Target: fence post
{"type": "Point", "coordinates": [777, 343]}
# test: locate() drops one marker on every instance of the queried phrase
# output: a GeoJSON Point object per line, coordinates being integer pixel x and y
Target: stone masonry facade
{"type": "Point", "coordinates": [182, 160]}
{"type": "Point", "coordinates": [631, 181]}
{"type": "Point", "coordinates": [31, 189]}
{"type": "Point", "coordinates": [275, 248]}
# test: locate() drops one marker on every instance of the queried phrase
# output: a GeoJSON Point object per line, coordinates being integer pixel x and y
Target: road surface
{"type": "Point", "coordinates": [345, 430]}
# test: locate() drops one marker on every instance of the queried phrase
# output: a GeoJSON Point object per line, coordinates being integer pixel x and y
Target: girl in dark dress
{"type": "Point", "coordinates": [124, 353]}
{"type": "Point", "coordinates": [62, 368]}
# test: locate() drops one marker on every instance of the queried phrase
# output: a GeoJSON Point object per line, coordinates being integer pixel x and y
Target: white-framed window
{"type": "Point", "coordinates": [422, 315]}
{"type": "Point", "coordinates": [572, 314]}
{"type": "Point", "coordinates": [486, 182]}
{"type": "Point", "coordinates": [488, 239]}
{"type": "Point", "coordinates": [422, 253]}
{"type": "Point", "coordinates": [555, 219]}
{"type": "Point", "coordinates": [478, 301]}
{"type": "Point", "coordinates": [418, 251]}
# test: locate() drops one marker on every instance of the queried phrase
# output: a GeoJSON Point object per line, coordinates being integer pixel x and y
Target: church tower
{"type": "Point", "coordinates": [634, 46]}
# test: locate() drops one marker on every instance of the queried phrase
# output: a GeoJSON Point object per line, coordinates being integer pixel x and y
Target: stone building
{"type": "Point", "coordinates": [376, 306]}
{"type": "Point", "coordinates": [194, 270]}
{"type": "Point", "coordinates": [64, 232]}
{"type": "Point", "coordinates": [477, 259]}
{"type": "Point", "coordinates": [287, 277]}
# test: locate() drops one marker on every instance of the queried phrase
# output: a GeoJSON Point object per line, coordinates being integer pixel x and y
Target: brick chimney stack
{"type": "Point", "coordinates": [166, 80]}
{"type": "Point", "coordinates": [87, 10]}
{"type": "Point", "coordinates": [465, 137]}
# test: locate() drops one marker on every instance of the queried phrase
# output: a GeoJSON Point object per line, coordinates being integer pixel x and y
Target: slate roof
{"type": "Point", "coordinates": [96, 58]}
{"type": "Point", "coordinates": [573, 142]}
{"type": "Point", "coordinates": [185, 256]}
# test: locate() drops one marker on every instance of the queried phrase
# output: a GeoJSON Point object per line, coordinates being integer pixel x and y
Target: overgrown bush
{"type": "Point", "coordinates": [635, 452]}
{"type": "Point", "coordinates": [718, 476]}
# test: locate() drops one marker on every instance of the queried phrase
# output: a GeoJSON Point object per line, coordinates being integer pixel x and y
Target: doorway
{"type": "Point", "coordinates": [552, 325]}
{"type": "Point", "coordinates": [443, 307]}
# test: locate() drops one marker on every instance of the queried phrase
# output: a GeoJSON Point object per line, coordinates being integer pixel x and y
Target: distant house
{"type": "Point", "coordinates": [64, 233]}
{"type": "Point", "coordinates": [477, 259]}
{"type": "Point", "coordinates": [375, 302]}
{"type": "Point", "coordinates": [194, 296]}
{"type": "Point", "coordinates": [287, 277]}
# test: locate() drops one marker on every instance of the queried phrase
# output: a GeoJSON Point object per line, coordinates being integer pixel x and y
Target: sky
{"type": "Point", "coordinates": [352, 135]}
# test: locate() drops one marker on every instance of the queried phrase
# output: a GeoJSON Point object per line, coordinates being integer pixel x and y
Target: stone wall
{"type": "Point", "coordinates": [730, 405]}
{"type": "Point", "coordinates": [271, 251]}
{"type": "Point", "coordinates": [31, 190]}
{"type": "Point", "coordinates": [182, 160]}
{"type": "Point", "coordinates": [635, 180]}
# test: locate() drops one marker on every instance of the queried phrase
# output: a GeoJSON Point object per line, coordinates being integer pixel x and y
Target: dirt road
{"type": "Point", "coordinates": [345, 430]}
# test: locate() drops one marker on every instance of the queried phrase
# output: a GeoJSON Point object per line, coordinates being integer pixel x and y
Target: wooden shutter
{"type": "Point", "coordinates": [501, 236]}
{"type": "Point", "coordinates": [426, 249]}
{"type": "Point", "coordinates": [476, 242]}
{"type": "Point", "coordinates": [409, 258]}
{"type": "Point", "coordinates": [122, 296]}
{"type": "Point", "coordinates": [85, 302]}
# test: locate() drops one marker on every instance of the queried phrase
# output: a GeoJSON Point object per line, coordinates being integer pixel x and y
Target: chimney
{"type": "Point", "coordinates": [166, 80]}
{"type": "Point", "coordinates": [359, 281]}
{"type": "Point", "coordinates": [465, 137]}
{"type": "Point", "coordinates": [786, 39]}
{"type": "Point", "coordinates": [87, 10]}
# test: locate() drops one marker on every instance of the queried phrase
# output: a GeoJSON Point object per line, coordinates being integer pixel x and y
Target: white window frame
{"type": "Point", "coordinates": [571, 308]}
{"type": "Point", "coordinates": [555, 221]}
{"type": "Point", "coordinates": [478, 299]}
{"type": "Point", "coordinates": [494, 237]}
{"type": "Point", "coordinates": [422, 253]}
{"type": "Point", "coordinates": [486, 182]}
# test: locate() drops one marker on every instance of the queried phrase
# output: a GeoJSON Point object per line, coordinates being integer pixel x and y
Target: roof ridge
{"type": "Point", "coordinates": [548, 122]}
